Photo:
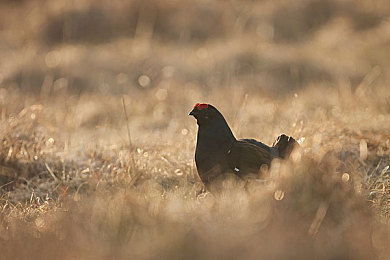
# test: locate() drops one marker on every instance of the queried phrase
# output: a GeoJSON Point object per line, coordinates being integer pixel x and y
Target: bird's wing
{"type": "Point", "coordinates": [257, 143]}
{"type": "Point", "coordinates": [245, 157]}
{"type": "Point", "coordinates": [274, 151]}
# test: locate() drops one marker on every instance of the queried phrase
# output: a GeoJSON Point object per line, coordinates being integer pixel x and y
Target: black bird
{"type": "Point", "coordinates": [219, 152]}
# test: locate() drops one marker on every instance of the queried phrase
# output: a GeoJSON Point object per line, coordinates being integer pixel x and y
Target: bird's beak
{"type": "Point", "coordinates": [193, 113]}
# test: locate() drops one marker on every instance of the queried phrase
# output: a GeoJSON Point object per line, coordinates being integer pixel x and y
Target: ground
{"type": "Point", "coordinates": [97, 151]}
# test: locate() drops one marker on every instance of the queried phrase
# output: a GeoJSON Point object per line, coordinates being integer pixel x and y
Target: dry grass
{"type": "Point", "coordinates": [73, 188]}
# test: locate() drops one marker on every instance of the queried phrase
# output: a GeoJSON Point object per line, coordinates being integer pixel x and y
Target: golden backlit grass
{"type": "Point", "coordinates": [73, 193]}
{"type": "Point", "coordinates": [74, 187]}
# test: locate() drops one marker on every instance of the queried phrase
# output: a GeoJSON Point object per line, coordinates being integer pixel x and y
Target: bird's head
{"type": "Point", "coordinates": [211, 120]}
{"type": "Point", "coordinates": [204, 113]}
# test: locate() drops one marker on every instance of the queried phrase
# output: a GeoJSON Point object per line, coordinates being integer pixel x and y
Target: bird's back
{"type": "Point", "coordinates": [247, 156]}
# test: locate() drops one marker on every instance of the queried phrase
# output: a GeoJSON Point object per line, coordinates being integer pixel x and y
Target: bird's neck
{"type": "Point", "coordinates": [217, 133]}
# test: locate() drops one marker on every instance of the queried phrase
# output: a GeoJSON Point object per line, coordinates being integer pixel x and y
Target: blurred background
{"type": "Point", "coordinates": [68, 69]}
{"type": "Point", "coordinates": [302, 68]}
{"type": "Point", "coordinates": [317, 70]}
{"type": "Point", "coordinates": [177, 52]}
{"type": "Point", "coordinates": [164, 56]}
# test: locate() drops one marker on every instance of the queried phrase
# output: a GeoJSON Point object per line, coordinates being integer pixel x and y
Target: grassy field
{"type": "Point", "coordinates": [97, 150]}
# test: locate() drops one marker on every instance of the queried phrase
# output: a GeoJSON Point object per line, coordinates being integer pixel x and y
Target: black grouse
{"type": "Point", "coordinates": [219, 152]}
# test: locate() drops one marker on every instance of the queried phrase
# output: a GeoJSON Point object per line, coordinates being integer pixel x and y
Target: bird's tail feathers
{"type": "Point", "coordinates": [285, 145]}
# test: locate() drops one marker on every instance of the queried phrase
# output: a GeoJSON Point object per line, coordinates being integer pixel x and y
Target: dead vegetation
{"type": "Point", "coordinates": [73, 188]}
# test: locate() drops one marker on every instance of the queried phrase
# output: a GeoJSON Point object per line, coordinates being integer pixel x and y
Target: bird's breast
{"type": "Point", "coordinates": [211, 156]}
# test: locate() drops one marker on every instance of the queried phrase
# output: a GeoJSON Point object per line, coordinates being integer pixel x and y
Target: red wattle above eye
{"type": "Point", "coordinates": [202, 106]}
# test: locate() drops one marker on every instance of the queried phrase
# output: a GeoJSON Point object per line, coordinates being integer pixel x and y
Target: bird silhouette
{"type": "Point", "coordinates": [219, 152]}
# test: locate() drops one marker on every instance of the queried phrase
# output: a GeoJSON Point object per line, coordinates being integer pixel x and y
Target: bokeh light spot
{"type": "Point", "coordinates": [161, 94]}
{"type": "Point", "coordinates": [144, 81]}
{"type": "Point", "coordinates": [279, 195]}
{"type": "Point", "coordinates": [345, 177]}
{"type": "Point", "coordinates": [53, 59]}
